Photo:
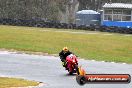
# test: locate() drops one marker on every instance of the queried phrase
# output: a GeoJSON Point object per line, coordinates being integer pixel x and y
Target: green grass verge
{"type": "Point", "coordinates": [13, 82]}
{"type": "Point", "coordinates": [115, 47]}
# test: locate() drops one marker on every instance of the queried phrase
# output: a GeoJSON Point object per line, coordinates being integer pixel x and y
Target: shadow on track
{"type": "Point", "coordinates": [69, 74]}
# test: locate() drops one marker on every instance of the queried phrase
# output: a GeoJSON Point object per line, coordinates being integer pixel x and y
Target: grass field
{"type": "Point", "coordinates": [96, 45]}
{"type": "Point", "coordinates": [13, 82]}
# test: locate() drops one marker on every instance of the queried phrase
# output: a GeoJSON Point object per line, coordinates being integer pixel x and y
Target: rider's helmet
{"type": "Point", "coordinates": [65, 49]}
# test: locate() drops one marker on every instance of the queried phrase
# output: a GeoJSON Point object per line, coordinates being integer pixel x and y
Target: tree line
{"type": "Point", "coordinates": [28, 9]}
{"type": "Point", "coordinates": [46, 9]}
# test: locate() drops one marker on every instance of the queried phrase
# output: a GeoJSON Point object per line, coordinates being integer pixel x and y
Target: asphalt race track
{"type": "Point", "coordinates": [48, 69]}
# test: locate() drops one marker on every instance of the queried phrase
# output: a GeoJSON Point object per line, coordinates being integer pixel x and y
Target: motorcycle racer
{"type": "Point", "coordinates": [63, 54]}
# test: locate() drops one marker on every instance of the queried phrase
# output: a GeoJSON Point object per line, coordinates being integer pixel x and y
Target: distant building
{"type": "Point", "coordinates": [117, 14]}
{"type": "Point", "coordinates": [87, 17]}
